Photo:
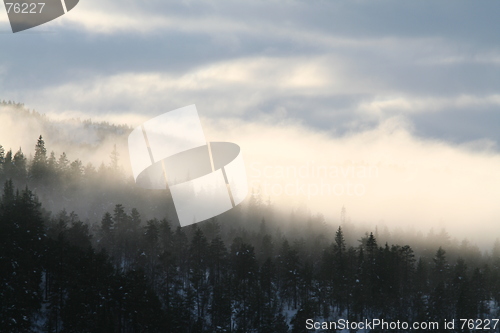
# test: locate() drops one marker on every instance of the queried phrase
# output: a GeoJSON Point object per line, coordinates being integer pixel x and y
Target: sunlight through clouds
{"type": "Point", "coordinates": [407, 182]}
{"type": "Point", "coordinates": [323, 81]}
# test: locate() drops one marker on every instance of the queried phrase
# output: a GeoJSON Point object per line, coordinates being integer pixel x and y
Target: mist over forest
{"type": "Point", "coordinates": [83, 249]}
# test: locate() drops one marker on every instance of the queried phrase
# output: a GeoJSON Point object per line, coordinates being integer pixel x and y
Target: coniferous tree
{"type": "Point", "coordinates": [440, 267]}
{"type": "Point", "coordinates": [2, 154]}
{"type": "Point", "coordinates": [76, 171]}
{"type": "Point", "coordinates": [439, 300]}
{"type": "Point", "coordinates": [21, 253]}
{"type": "Point", "coordinates": [465, 305]}
{"type": "Point", "coordinates": [198, 262]}
{"type": "Point", "coordinates": [63, 163]}
{"type": "Point", "coordinates": [180, 252]}
{"type": "Point", "coordinates": [266, 248]}
{"type": "Point", "coordinates": [165, 236]}
{"type": "Point", "coordinates": [52, 161]}
{"type": "Point", "coordinates": [107, 239]}
{"type": "Point", "coordinates": [19, 168]}
{"type": "Point", "coordinates": [107, 223]}
{"type": "Point", "coordinates": [2, 162]}
{"type": "Point", "coordinates": [135, 219]}
{"type": "Point", "coordinates": [341, 273]}
{"type": "Point", "coordinates": [39, 164]}
{"type": "Point", "coordinates": [8, 165]}
{"type": "Point", "coordinates": [121, 230]}
{"type": "Point", "coordinates": [245, 268]}
{"type": "Point", "coordinates": [150, 253]}
{"type": "Point", "coordinates": [289, 266]}
{"type": "Point", "coordinates": [406, 278]}
{"type": "Point", "coordinates": [220, 282]}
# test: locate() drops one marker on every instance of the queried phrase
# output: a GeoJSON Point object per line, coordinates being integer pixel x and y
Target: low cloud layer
{"type": "Point", "coordinates": [384, 176]}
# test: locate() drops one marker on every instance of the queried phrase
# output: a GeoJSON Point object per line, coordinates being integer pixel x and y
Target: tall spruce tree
{"type": "Point", "coordinates": [39, 163]}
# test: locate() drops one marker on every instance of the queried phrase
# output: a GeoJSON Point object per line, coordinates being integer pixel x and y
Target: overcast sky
{"type": "Point", "coordinates": [336, 65]}
{"type": "Point", "coordinates": [428, 71]}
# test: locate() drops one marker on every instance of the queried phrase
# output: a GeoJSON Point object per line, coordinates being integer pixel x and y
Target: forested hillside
{"type": "Point", "coordinates": [123, 264]}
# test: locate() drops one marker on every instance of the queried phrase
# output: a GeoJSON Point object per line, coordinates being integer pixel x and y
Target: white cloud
{"type": "Point", "coordinates": [383, 107]}
{"type": "Point", "coordinates": [243, 87]}
{"type": "Point", "coordinates": [147, 17]}
{"type": "Point", "coordinates": [393, 176]}
{"type": "Point", "coordinates": [235, 86]}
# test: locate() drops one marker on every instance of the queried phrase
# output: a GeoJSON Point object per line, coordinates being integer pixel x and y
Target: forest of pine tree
{"type": "Point", "coordinates": [249, 270]}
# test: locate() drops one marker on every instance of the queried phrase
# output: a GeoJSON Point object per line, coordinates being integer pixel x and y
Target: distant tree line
{"type": "Point", "coordinates": [251, 270]}
{"type": "Point", "coordinates": [84, 188]}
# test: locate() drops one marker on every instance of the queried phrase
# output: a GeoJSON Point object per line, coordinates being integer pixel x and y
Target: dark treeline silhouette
{"type": "Point", "coordinates": [252, 269]}
{"type": "Point", "coordinates": [88, 190]}
{"type": "Point", "coordinates": [135, 276]}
